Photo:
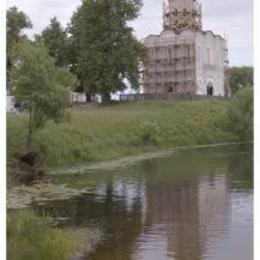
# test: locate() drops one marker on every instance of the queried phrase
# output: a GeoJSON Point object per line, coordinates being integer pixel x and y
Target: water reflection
{"type": "Point", "coordinates": [195, 205]}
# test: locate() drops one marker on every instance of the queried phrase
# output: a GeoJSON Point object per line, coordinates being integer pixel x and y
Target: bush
{"type": "Point", "coordinates": [240, 114]}
{"type": "Point", "coordinates": [241, 77]}
{"type": "Point", "coordinates": [32, 237]}
{"type": "Point", "coordinates": [150, 133]}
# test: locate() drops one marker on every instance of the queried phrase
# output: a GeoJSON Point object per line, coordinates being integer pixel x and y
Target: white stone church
{"type": "Point", "coordinates": [184, 59]}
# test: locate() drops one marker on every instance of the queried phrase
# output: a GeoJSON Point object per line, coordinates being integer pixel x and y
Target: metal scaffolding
{"type": "Point", "coordinates": [171, 69]}
{"type": "Point", "coordinates": [180, 15]}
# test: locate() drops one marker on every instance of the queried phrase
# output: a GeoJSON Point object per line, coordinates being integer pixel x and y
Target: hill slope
{"type": "Point", "coordinates": [97, 133]}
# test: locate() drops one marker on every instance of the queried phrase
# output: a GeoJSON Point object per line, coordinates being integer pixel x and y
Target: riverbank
{"type": "Point", "coordinates": [126, 161]}
{"type": "Point", "coordinates": [39, 238]}
{"type": "Point", "coordinates": [100, 133]}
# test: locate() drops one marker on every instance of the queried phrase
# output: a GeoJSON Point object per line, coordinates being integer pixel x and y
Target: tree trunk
{"type": "Point", "coordinates": [106, 97]}
{"type": "Point", "coordinates": [30, 130]}
{"type": "Point", "coordinates": [29, 139]}
{"type": "Point", "coordinates": [88, 96]}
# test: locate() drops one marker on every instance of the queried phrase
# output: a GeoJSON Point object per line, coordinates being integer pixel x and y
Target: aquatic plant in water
{"type": "Point", "coordinates": [32, 237]}
{"type": "Point", "coordinates": [21, 197]}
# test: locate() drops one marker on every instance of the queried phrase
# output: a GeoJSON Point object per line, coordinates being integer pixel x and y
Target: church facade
{"type": "Point", "coordinates": [183, 59]}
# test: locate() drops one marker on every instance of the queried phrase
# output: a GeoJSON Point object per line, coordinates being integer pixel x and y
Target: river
{"type": "Point", "coordinates": [193, 205]}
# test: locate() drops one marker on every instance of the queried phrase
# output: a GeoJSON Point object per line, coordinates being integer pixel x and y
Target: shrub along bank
{"type": "Point", "coordinates": [97, 133]}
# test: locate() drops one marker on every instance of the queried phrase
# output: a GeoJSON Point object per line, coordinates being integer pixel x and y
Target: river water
{"type": "Point", "coordinates": [193, 205]}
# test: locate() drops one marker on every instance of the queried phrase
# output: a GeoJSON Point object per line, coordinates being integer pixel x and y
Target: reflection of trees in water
{"type": "Point", "coordinates": [114, 210]}
{"type": "Point", "coordinates": [241, 171]}
{"type": "Point", "coordinates": [123, 213]}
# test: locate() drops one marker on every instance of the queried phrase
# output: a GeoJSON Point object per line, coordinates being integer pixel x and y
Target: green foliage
{"type": "Point", "coordinates": [100, 133]}
{"type": "Point", "coordinates": [16, 22]}
{"type": "Point", "coordinates": [105, 52]}
{"type": "Point", "coordinates": [240, 114]}
{"type": "Point", "coordinates": [54, 37]}
{"type": "Point", "coordinates": [241, 77]}
{"type": "Point", "coordinates": [42, 87]}
{"type": "Point", "coordinates": [32, 237]}
{"type": "Point", "coordinates": [150, 132]}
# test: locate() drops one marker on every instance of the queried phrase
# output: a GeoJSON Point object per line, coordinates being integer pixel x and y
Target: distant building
{"type": "Point", "coordinates": [10, 104]}
{"type": "Point", "coordinates": [184, 59]}
{"type": "Point", "coordinates": [80, 98]}
{"type": "Point", "coordinates": [77, 97]}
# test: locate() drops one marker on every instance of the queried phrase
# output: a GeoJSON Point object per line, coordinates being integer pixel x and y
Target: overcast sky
{"type": "Point", "coordinates": [232, 18]}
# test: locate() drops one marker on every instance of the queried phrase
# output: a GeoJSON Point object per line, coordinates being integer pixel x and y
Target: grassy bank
{"type": "Point", "coordinates": [98, 133]}
{"type": "Point", "coordinates": [32, 237]}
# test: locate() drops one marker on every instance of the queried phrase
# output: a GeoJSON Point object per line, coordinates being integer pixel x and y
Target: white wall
{"type": "Point", "coordinates": [10, 104]}
{"type": "Point", "coordinates": [210, 54]}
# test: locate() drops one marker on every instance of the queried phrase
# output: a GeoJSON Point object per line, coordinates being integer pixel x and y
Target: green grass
{"type": "Point", "coordinates": [98, 133]}
{"type": "Point", "coordinates": [32, 237]}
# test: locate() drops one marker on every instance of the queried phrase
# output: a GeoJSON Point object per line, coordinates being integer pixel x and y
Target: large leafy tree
{"type": "Point", "coordinates": [105, 52]}
{"type": "Point", "coordinates": [16, 22]}
{"type": "Point", "coordinates": [41, 86]}
{"type": "Point", "coordinates": [241, 77]}
{"type": "Point", "coordinates": [54, 37]}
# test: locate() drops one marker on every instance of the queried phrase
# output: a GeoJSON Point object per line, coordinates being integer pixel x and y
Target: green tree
{"type": "Point", "coordinates": [240, 114]}
{"type": "Point", "coordinates": [16, 22]}
{"type": "Point", "coordinates": [241, 77]}
{"type": "Point", "coordinates": [41, 86]}
{"type": "Point", "coordinates": [105, 50]}
{"type": "Point", "coordinates": [54, 37]}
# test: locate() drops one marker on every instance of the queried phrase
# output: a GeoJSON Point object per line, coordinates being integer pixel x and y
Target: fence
{"type": "Point", "coordinates": [166, 96]}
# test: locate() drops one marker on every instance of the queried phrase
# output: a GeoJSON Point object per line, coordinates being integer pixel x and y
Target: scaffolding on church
{"type": "Point", "coordinates": [171, 69]}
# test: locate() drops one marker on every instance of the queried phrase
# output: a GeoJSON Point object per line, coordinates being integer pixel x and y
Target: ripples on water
{"type": "Point", "coordinates": [195, 205]}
